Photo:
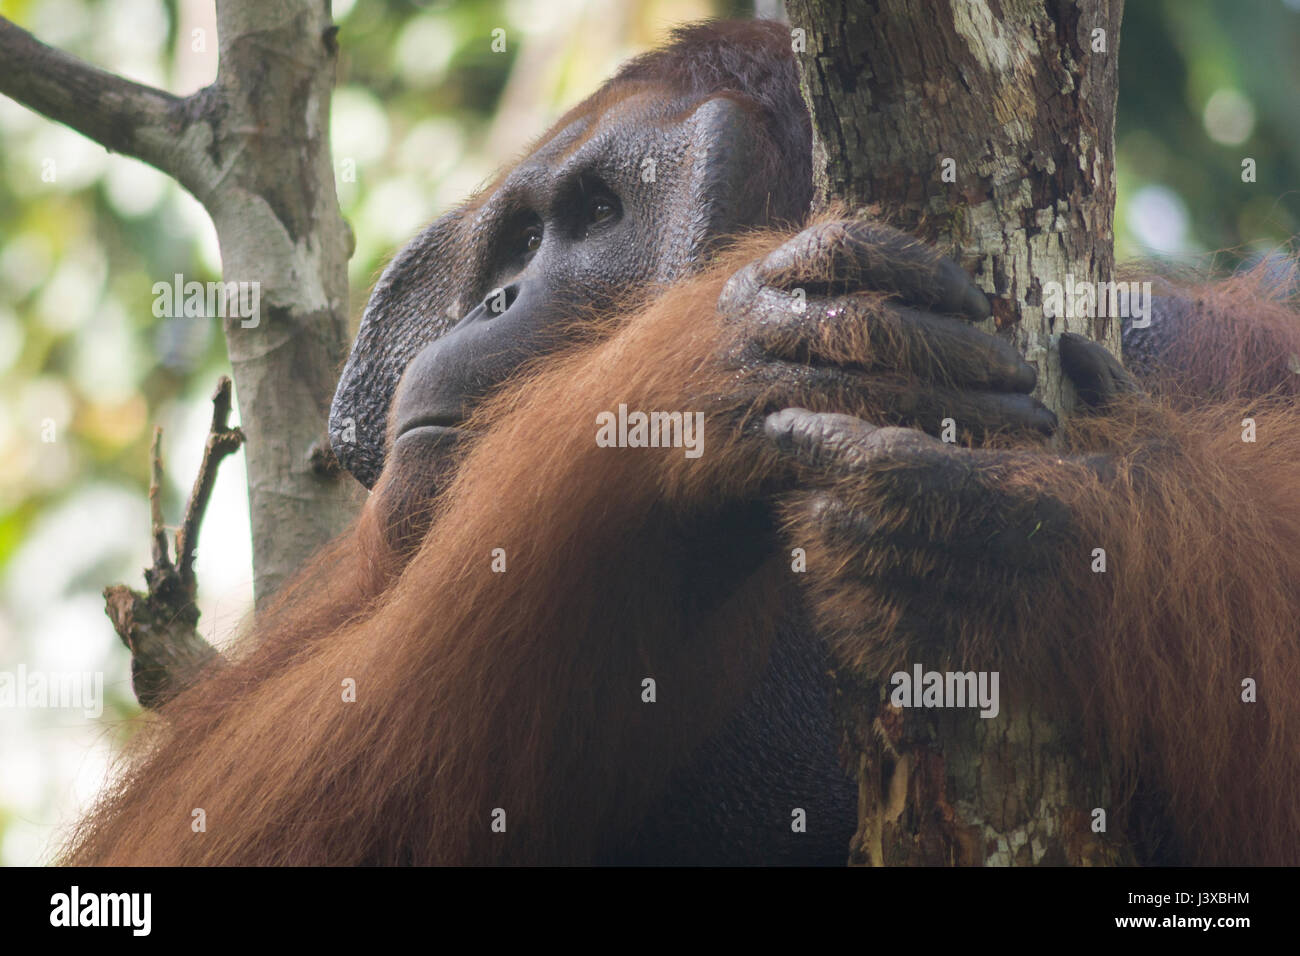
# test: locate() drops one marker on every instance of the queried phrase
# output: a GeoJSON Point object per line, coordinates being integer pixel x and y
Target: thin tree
{"type": "Point", "coordinates": [254, 149]}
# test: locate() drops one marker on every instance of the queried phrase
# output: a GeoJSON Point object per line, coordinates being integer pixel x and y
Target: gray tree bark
{"type": "Point", "coordinates": [254, 149]}
{"type": "Point", "coordinates": [988, 129]}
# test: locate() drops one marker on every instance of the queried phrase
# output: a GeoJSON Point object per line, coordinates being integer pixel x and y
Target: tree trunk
{"type": "Point", "coordinates": [278, 220]}
{"type": "Point", "coordinates": [254, 149]}
{"type": "Point", "coordinates": [990, 130]}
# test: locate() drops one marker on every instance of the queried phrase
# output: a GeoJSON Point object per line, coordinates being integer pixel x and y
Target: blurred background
{"type": "Point", "coordinates": [423, 113]}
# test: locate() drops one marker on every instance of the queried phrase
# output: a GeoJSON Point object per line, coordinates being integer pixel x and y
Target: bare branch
{"type": "Point", "coordinates": [222, 441]}
{"type": "Point", "coordinates": [161, 626]}
{"type": "Point", "coordinates": [157, 530]}
{"type": "Point", "coordinates": [120, 115]}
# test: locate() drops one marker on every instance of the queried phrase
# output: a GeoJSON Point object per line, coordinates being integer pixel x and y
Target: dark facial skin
{"type": "Point", "coordinates": [613, 203]}
{"type": "Point", "coordinates": [621, 199]}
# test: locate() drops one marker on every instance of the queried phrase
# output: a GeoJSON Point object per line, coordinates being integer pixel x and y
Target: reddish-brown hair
{"type": "Point", "coordinates": [520, 690]}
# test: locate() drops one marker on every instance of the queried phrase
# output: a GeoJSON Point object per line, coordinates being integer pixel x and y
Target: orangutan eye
{"type": "Point", "coordinates": [600, 210]}
{"type": "Point", "coordinates": [531, 239]}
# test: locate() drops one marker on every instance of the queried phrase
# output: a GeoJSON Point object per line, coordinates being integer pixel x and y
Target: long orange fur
{"type": "Point", "coordinates": [519, 691]}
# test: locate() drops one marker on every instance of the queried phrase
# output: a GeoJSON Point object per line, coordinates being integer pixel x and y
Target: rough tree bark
{"type": "Point", "coordinates": [254, 149]}
{"type": "Point", "coordinates": [1016, 102]}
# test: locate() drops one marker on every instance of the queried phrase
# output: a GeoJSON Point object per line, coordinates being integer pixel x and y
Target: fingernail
{"type": "Point", "coordinates": [977, 303]}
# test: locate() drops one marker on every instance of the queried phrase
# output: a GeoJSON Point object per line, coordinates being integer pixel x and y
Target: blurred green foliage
{"type": "Point", "coordinates": [1204, 85]}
